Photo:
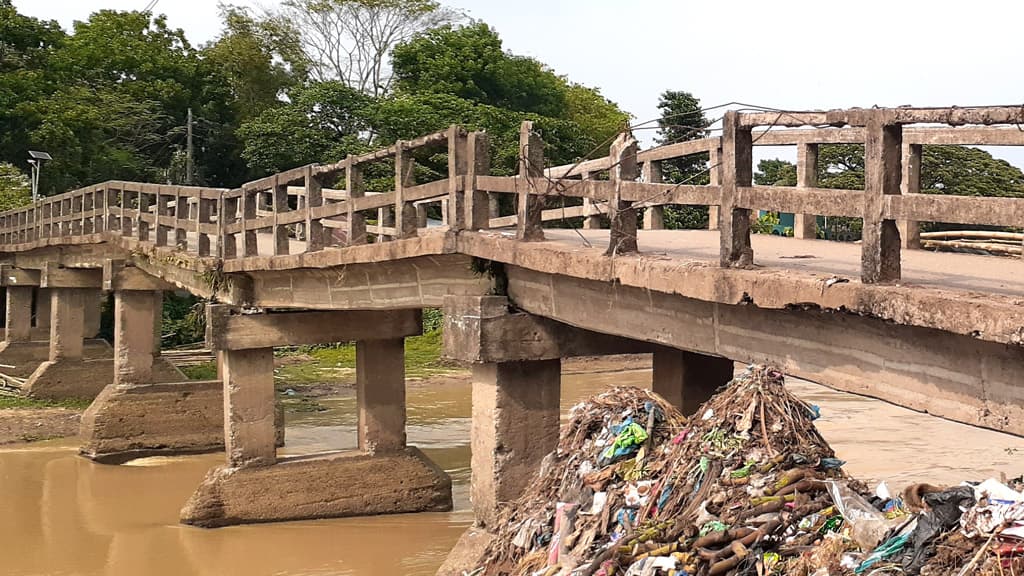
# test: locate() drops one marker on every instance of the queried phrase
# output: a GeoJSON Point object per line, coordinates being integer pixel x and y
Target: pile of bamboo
{"type": "Point", "coordinates": [975, 242]}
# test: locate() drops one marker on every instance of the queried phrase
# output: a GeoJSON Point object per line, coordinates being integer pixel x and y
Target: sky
{"type": "Point", "coordinates": [790, 54]}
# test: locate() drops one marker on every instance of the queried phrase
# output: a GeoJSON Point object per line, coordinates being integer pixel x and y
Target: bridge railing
{"type": "Point", "coordinates": [313, 207]}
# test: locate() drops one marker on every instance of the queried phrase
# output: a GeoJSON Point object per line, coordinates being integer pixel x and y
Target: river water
{"type": "Point", "coordinates": [63, 515]}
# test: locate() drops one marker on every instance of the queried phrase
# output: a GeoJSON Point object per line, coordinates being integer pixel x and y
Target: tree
{"type": "Point", "coordinates": [469, 62]}
{"type": "Point", "coordinates": [261, 58]}
{"type": "Point", "coordinates": [15, 188]}
{"type": "Point", "coordinates": [26, 47]}
{"type": "Point", "coordinates": [775, 173]}
{"type": "Point", "coordinates": [351, 40]}
{"type": "Point", "coordinates": [683, 119]}
{"type": "Point", "coordinates": [320, 123]}
{"type": "Point", "coordinates": [598, 117]}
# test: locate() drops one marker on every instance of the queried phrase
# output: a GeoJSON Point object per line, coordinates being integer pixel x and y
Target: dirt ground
{"type": "Point", "coordinates": [31, 424]}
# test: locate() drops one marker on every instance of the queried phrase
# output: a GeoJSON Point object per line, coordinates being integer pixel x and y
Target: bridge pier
{"type": "Point", "coordinates": [148, 407]}
{"type": "Point", "coordinates": [516, 361]}
{"type": "Point", "coordinates": [515, 424]}
{"type": "Point", "coordinates": [688, 379]}
{"type": "Point", "coordinates": [383, 476]}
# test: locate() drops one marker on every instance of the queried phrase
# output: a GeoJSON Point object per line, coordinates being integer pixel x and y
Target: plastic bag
{"type": "Point", "coordinates": [868, 526]}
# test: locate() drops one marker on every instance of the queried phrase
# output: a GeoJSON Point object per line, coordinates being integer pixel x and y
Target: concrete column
{"type": "Point", "coordinates": [380, 395]}
{"type": "Point", "coordinates": [590, 222]}
{"type": "Point", "coordinates": [249, 432]}
{"type": "Point", "coordinates": [19, 314]}
{"type": "Point", "coordinates": [688, 379]}
{"type": "Point", "coordinates": [134, 315]}
{"type": "Point", "coordinates": [654, 216]}
{"type": "Point", "coordinates": [714, 178]}
{"type": "Point", "coordinates": [42, 307]}
{"type": "Point", "coordinates": [93, 304]}
{"type": "Point", "coordinates": [880, 241]}
{"type": "Point", "coordinates": [158, 322]}
{"type": "Point", "coordinates": [910, 230]}
{"type": "Point", "coordinates": [67, 323]}
{"type": "Point", "coordinates": [515, 424]}
{"type": "Point", "coordinates": [805, 225]}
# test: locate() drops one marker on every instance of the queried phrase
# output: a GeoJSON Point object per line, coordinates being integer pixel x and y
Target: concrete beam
{"type": "Point", "coordinates": [13, 276]}
{"type": "Point", "coordinates": [228, 330]}
{"type": "Point", "coordinates": [957, 377]}
{"type": "Point", "coordinates": [53, 276]}
{"type": "Point", "coordinates": [480, 329]}
{"type": "Point", "coordinates": [118, 276]}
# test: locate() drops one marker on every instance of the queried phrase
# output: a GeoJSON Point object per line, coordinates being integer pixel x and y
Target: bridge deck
{"type": "Point", "coordinates": [967, 272]}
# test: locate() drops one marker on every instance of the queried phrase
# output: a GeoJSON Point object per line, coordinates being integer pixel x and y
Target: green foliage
{"type": "Point", "coordinates": [967, 171]}
{"type": "Point", "coordinates": [686, 217]}
{"type": "Point", "coordinates": [15, 188]}
{"type": "Point", "coordinates": [468, 62]}
{"type": "Point", "coordinates": [9, 402]}
{"type": "Point", "coordinates": [184, 319]}
{"type": "Point", "coordinates": [681, 120]}
{"type": "Point", "coordinates": [204, 371]}
{"type": "Point", "coordinates": [320, 123]}
{"type": "Point", "coordinates": [260, 58]}
{"type": "Point", "coordinates": [775, 173]}
{"type": "Point", "coordinates": [765, 223]}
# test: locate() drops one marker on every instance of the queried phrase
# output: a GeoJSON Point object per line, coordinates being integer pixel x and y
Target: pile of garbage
{"type": "Point", "coordinates": [746, 486]}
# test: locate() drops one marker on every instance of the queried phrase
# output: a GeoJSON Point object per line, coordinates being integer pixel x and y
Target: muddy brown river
{"type": "Point", "coordinates": [63, 515]}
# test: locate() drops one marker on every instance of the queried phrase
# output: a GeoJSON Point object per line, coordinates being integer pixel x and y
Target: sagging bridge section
{"type": "Point", "coordinates": [309, 256]}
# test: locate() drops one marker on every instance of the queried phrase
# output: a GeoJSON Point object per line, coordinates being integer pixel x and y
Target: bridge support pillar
{"type": "Point", "coordinates": [515, 424]}
{"type": "Point", "coordinates": [688, 379]}
{"type": "Point", "coordinates": [42, 312]}
{"type": "Point", "coordinates": [147, 406]}
{"type": "Point", "coordinates": [384, 476]}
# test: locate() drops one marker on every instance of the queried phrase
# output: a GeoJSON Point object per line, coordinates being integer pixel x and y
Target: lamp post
{"type": "Point", "coordinates": [36, 159]}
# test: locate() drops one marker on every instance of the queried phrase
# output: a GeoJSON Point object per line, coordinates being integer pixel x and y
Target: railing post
{"type": "Point", "coordinates": [110, 208]}
{"type": "Point", "coordinates": [806, 225]}
{"type": "Point", "coordinates": [228, 215]}
{"type": "Point", "coordinates": [355, 225]}
{"type": "Point", "coordinates": [622, 239]}
{"type": "Point", "coordinates": [279, 204]}
{"type": "Point", "coordinates": [590, 221]}
{"type": "Point", "coordinates": [314, 200]}
{"type": "Point", "coordinates": [459, 154]}
{"type": "Point", "coordinates": [910, 230]}
{"type": "Point", "coordinates": [249, 214]}
{"type": "Point", "coordinates": [654, 216]}
{"type": "Point", "coordinates": [126, 204]}
{"type": "Point", "coordinates": [714, 179]}
{"type": "Point", "coordinates": [532, 189]}
{"type": "Point", "coordinates": [737, 171]}
{"type": "Point", "coordinates": [163, 208]}
{"type": "Point", "coordinates": [145, 201]}
{"type": "Point", "coordinates": [405, 212]}
{"type": "Point", "coordinates": [204, 217]}
{"type": "Point", "coordinates": [478, 163]}
{"type": "Point", "coordinates": [880, 245]}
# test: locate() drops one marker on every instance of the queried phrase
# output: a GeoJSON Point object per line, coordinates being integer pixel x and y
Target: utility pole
{"type": "Point", "coordinates": [188, 151]}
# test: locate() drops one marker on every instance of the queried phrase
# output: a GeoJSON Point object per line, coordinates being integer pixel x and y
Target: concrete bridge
{"type": "Point", "coordinates": [309, 256]}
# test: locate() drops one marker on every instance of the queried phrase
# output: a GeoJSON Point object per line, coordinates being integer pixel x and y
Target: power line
{"type": "Point", "coordinates": [152, 4]}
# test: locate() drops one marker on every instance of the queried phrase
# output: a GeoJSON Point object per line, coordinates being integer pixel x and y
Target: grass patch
{"type": "Point", "coordinates": [204, 371]}
{"type": "Point", "coordinates": [337, 363]}
{"type": "Point", "coordinates": [9, 402]}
